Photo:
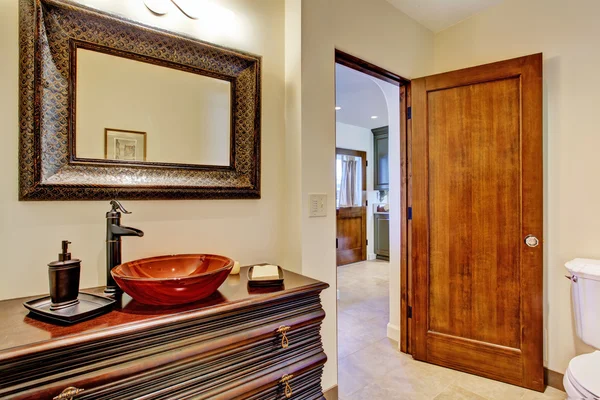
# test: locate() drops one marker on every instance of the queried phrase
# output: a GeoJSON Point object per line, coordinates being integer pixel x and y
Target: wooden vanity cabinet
{"type": "Point", "coordinates": [241, 343]}
{"type": "Point", "coordinates": [382, 236]}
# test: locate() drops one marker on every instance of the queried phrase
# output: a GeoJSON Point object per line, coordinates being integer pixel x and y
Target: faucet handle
{"type": "Point", "coordinates": [117, 206]}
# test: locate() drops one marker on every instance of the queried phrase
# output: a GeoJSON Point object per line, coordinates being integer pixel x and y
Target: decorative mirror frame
{"type": "Point", "coordinates": [50, 33]}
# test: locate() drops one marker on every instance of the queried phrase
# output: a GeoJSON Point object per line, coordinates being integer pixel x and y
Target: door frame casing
{"type": "Point", "coordinates": [366, 67]}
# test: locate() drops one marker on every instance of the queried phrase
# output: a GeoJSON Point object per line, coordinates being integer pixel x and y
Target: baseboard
{"type": "Point", "coordinates": [554, 379]}
{"type": "Point", "coordinates": [393, 332]}
{"type": "Point", "coordinates": [371, 256]}
{"type": "Point", "coordinates": [331, 394]}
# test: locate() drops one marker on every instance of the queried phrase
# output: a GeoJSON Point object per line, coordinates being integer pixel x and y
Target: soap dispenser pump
{"type": "Point", "coordinates": [64, 279]}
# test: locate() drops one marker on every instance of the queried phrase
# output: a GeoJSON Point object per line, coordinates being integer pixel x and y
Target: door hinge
{"type": "Point", "coordinates": [336, 243]}
{"type": "Point", "coordinates": [409, 311]}
{"type": "Point", "coordinates": [409, 212]}
{"type": "Point", "coordinates": [367, 163]}
{"type": "Point", "coordinates": [366, 202]}
{"type": "Point", "coordinates": [409, 113]}
{"type": "Point", "coordinates": [367, 242]}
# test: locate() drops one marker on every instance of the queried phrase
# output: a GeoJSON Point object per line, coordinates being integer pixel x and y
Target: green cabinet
{"type": "Point", "coordinates": [381, 154]}
{"type": "Point", "coordinates": [382, 236]}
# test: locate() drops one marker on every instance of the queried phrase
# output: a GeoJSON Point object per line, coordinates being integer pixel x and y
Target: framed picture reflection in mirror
{"type": "Point", "coordinates": [124, 145]}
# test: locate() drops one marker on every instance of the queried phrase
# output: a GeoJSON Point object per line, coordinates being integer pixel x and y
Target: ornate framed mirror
{"type": "Point", "coordinates": [110, 108]}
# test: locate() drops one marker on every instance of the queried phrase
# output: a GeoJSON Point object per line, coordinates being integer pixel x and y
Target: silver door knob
{"type": "Point", "coordinates": [532, 241]}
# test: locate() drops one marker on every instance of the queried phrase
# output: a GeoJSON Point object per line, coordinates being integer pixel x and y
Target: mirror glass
{"type": "Point", "coordinates": [136, 111]}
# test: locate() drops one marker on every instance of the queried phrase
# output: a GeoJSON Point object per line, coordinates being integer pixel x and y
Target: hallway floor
{"type": "Point", "coordinates": [370, 366]}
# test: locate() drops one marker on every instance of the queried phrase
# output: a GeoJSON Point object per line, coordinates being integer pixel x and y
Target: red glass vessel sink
{"type": "Point", "coordinates": [172, 280]}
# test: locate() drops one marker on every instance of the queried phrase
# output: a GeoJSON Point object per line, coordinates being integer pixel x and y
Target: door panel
{"type": "Point", "coordinates": [473, 194]}
{"type": "Point", "coordinates": [351, 235]}
{"type": "Point", "coordinates": [477, 192]}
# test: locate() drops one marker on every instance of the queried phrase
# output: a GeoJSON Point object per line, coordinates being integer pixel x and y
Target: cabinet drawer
{"type": "Point", "coordinates": [197, 366]}
{"type": "Point", "coordinates": [300, 381]}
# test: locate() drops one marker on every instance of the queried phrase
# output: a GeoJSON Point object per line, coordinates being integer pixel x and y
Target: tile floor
{"type": "Point", "coordinates": [370, 367]}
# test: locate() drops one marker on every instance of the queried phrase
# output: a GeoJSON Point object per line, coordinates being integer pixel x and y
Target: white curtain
{"type": "Point", "coordinates": [350, 194]}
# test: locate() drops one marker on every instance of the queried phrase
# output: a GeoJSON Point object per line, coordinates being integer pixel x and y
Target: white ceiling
{"type": "Point", "coordinates": [438, 15]}
{"type": "Point", "coordinates": [360, 98]}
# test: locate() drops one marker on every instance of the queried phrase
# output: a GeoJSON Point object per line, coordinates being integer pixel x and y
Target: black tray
{"type": "Point", "coordinates": [89, 306]}
{"type": "Point", "coordinates": [265, 282]}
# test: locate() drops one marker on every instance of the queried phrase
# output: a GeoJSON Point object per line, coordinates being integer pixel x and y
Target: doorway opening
{"type": "Point", "coordinates": [466, 165]}
{"type": "Point", "coordinates": [371, 204]}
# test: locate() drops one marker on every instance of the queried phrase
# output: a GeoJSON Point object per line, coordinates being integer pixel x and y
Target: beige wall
{"type": "Point", "coordinates": [377, 32]}
{"type": "Point", "coordinates": [392, 98]}
{"type": "Point", "coordinates": [567, 33]}
{"type": "Point", "coordinates": [250, 231]}
{"type": "Point", "coordinates": [292, 223]}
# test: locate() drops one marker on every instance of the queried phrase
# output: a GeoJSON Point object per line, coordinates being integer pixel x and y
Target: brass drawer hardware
{"type": "Point", "coordinates": [284, 339]}
{"type": "Point", "coordinates": [288, 389]}
{"type": "Point", "coordinates": [68, 393]}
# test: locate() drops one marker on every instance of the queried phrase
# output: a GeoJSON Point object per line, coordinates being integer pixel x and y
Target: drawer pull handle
{"type": "Point", "coordinates": [288, 389]}
{"type": "Point", "coordinates": [284, 339]}
{"type": "Point", "coordinates": [68, 393]}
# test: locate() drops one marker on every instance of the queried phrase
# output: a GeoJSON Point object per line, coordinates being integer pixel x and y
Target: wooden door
{"type": "Point", "coordinates": [351, 235]}
{"type": "Point", "coordinates": [476, 196]}
{"type": "Point", "coordinates": [351, 239]}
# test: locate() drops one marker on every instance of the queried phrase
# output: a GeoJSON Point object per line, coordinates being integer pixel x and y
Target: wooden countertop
{"type": "Point", "coordinates": [19, 330]}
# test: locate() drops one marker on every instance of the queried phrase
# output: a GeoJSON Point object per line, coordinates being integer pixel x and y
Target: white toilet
{"type": "Point", "coordinates": [582, 379]}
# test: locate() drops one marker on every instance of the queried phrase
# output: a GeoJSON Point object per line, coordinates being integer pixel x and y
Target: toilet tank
{"type": "Point", "coordinates": [585, 277]}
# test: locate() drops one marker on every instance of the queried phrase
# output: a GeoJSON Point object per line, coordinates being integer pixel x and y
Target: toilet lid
{"type": "Point", "coordinates": [585, 268]}
{"type": "Point", "coordinates": [585, 369]}
{"type": "Point", "coordinates": [579, 390]}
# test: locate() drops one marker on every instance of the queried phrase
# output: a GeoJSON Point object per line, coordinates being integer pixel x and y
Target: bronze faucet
{"type": "Point", "coordinates": [114, 232]}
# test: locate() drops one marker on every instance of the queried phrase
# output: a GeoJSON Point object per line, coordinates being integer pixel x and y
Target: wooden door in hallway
{"type": "Point", "coordinates": [351, 213]}
{"type": "Point", "coordinates": [477, 220]}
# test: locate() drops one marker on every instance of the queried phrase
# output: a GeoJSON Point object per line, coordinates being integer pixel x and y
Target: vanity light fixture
{"type": "Point", "coordinates": [338, 108]}
{"type": "Point", "coordinates": [158, 7]}
{"type": "Point", "coordinates": [193, 9]}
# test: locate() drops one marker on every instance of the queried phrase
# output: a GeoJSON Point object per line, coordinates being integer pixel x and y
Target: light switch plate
{"type": "Point", "coordinates": [317, 205]}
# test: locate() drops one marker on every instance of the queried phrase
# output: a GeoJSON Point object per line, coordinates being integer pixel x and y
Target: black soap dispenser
{"type": "Point", "coordinates": [64, 279]}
